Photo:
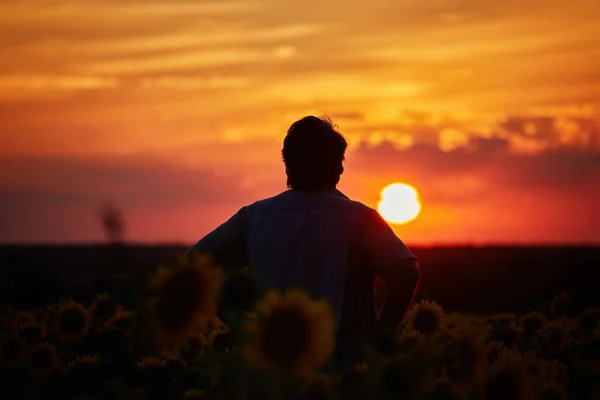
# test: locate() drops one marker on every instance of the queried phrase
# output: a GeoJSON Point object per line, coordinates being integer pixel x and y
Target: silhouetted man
{"type": "Point", "coordinates": [314, 237]}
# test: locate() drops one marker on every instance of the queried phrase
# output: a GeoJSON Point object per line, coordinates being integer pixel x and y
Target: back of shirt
{"type": "Point", "coordinates": [319, 242]}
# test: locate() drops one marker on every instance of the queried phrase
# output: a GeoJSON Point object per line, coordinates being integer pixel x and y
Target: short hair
{"type": "Point", "coordinates": [313, 152]}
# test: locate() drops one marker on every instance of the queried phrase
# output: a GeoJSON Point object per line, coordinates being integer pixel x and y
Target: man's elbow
{"type": "Point", "coordinates": [414, 274]}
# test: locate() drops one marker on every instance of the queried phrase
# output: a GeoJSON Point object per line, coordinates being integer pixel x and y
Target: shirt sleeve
{"type": "Point", "coordinates": [382, 248]}
{"type": "Point", "coordinates": [227, 243]}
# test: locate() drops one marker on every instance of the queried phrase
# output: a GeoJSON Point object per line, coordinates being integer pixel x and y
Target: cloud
{"type": "Point", "coordinates": [55, 199]}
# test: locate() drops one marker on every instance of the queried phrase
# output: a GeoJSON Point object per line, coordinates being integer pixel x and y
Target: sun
{"type": "Point", "coordinates": [399, 203]}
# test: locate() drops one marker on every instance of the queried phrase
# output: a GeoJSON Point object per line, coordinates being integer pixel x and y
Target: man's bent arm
{"type": "Point", "coordinates": [402, 283]}
{"type": "Point", "coordinates": [394, 263]}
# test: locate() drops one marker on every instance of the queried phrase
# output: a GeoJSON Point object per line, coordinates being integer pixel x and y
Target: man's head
{"type": "Point", "coordinates": [313, 152]}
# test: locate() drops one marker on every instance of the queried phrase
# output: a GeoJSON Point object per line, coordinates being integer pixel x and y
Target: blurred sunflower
{"type": "Point", "coordinates": [84, 361]}
{"type": "Point", "coordinates": [559, 306]}
{"type": "Point", "coordinates": [508, 379]}
{"type": "Point", "coordinates": [553, 339]}
{"type": "Point", "coordinates": [214, 324]}
{"type": "Point", "coordinates": [320, 387]}
{"type": "Point", "coordinates": [531, 323]}
{"type": "Point", "coordinates": [536, 367]}
{"type": "Point", "coordinates": [193, 394]}
{"type": "Point", "coordinates": [588, 322]}
{"type": "Point", "coordinates": [409, 339]}
{"type": "Point", "coordinates": [103, 308]}
{"type": "Point", "coordinates": [84, 375]}
{"type": "Point", "coordinates": [22, 318]}
{"type": "Point", "coordinates": [12, 350]}
{"type": "Point", "coordinates": [426, 317]}
{"type": "Point", "coordinates": [509, 335]}
{"type": "Point", "coordinates": [469, 352]}
{"type": "Point", "coordinates": [183, 300]}
{"type": "Point", "coordinates": [493, 351]}
{"type": "Point", "coordinates": [553, 391]}
{"type": "Point", "coordinates": [293, 333]}
{"type": "Point", "coordinates": [31, 332]}
{"type": "Point", "coordinates": [154, 373]}
{"type": "Point", "coordinates": [43, 359]}
{"type": "Point", "coordinates": [193, 348]}
{"type": "Point", "coordinates": [72, 321]}
{"type": "Point", "coordinates": [121, 320]}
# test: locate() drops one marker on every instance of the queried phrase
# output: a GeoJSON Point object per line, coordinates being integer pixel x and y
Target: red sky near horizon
{"type": "Point", "coordinates": [176, 111]}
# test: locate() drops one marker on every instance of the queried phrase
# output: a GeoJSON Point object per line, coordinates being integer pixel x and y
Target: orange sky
{"type": "Point", "coordinates": [176, 110]}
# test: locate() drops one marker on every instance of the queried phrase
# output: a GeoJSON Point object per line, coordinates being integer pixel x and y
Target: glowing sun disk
{"type": "Point", "coordinates": [399, 203]}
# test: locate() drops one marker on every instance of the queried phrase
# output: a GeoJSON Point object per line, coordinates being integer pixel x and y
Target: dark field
{"type": "Point", "coordinates": [167, 343]}
{"type": "Point", "coordinates": [481, 280]}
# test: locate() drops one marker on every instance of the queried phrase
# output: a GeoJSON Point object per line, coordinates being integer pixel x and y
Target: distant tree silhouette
{"type": "Point", "coordinates": [112, 222]}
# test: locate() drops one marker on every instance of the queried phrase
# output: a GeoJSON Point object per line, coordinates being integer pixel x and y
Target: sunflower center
{"type": "Point", "coordinates": [31, 334]}
{"type": "Point", "coordinates": [426, 321]}
{"type": "Point", "coordinates": [284, 337]}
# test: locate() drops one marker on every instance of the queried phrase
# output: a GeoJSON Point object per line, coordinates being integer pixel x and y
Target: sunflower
{"type": "Point", "coordinates": [469, 352]}
{"type": "Point", "coordinates": [193, 394]}
{"type": "Point", "coordinates": [409, 339]}
{"type": "Point", "coordinates": [508, 379]}
{"type": "Point", "coordinates": [120, 320]}
{"type": "Point", "coordinates": [103, 308]}
{"type": "Point", "coordinates": [84, 375]}
{"type": "Point", "coordinates": [559, 306]}
{"type": "Point", "coordinates": [509, 335]}
{"type": "Point", "coordinates": [493, 351]}
{"type": "Point", "coordinates": [31, 332]}
{"type": "Point", "coordinates": [531, 323]}
{"type": "Point", "coordinates": [12, 350]}
{"type": "Point", "coordinates": [193, 347]}
{"type": "Point", "coordinates": [214, 324]}
{"type": "Point", "coordinates": [84, 361]}
{"type": "Point", "coordinates": [505, 319]}
{"type": "Point", "coordinates": [553, 339]}
{"type": "Point", "coordinates": [183, 299]}
{"type": "Point", "coordinates": [154, 373]}
{"type": "Point", "coordinates": [426, 317]}
{"type": "Point", "coordinates": [22, 318]}
{"type": "Point", "coordinates": [72, 321]}
{"type": "Point", "coordinates": [43, 359]}
{"type": "Point", "coordinates": [292, 333]}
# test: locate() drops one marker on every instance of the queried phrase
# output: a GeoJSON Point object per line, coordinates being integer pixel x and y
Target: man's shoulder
{"type": "Point", "coordinates": [290, 200]}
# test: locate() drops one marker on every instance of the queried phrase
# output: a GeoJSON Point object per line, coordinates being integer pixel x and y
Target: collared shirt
{"type": "Point", "coordinates": [319, 242]}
